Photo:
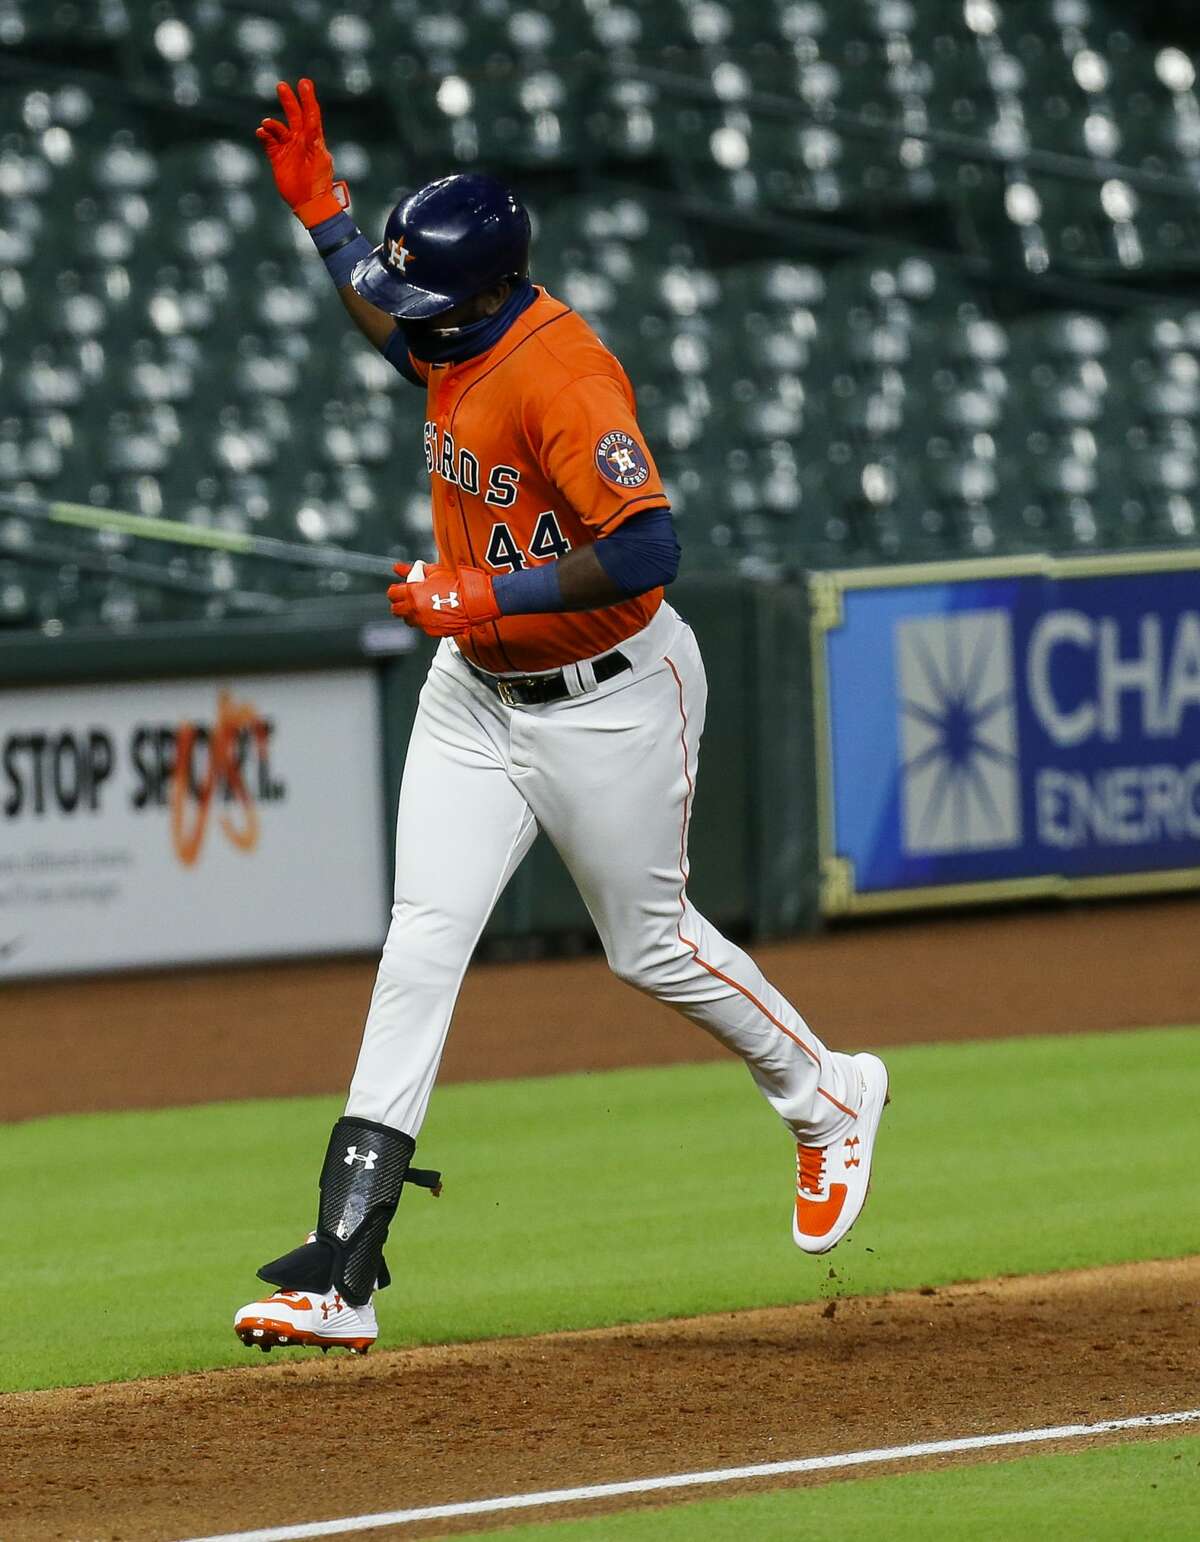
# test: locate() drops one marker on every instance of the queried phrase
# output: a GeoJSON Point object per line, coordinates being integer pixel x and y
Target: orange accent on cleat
{"type": "Point", "coordinates": [816, 1218]}
{"type": "Point", "coordinates": [266, 1333]}
{"type": "Point", "coordinates": [810, 1168]}
{"type": "Point", "coordinates": [825, 1209]}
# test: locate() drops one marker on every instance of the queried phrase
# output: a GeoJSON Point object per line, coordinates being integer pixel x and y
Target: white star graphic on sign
{"type": "Point", "coordinates": [958, 733]}
{"type": "Point", "coordinates": [398, 254]}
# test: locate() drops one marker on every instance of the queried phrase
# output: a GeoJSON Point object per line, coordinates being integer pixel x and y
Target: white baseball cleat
{"type": "Point", "coordinates": [307, 1317]}
{"type": "Point", "coordinates": [832, 1182]}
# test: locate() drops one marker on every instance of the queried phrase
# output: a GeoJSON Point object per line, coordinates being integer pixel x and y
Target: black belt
{"type": "Point", "coordinates": [537, 690]}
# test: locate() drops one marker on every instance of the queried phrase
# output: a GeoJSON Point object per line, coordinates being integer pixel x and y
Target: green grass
{"type": "Point", "coordinates": [582, 1200]}
{"type": "Point", "coordinates": [1123, 1493]}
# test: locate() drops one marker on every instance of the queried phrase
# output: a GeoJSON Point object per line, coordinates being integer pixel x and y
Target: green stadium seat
{"type": "Point", "coordinates": [203, 53]}
{"type": "Point", "coordinates": [17, 591]}
{"type": "Point", "coordinates": [769, 348]}
{"type": "Point", "coordinates": [858, 505]}
{"type": "Point", "coordinates": [219, 198]}
{"type": "Point", "coordinates": [125, 171]}
{"type": "Point", "coordinates": [28, 458]}
{"type": "Point", "coordinates": [172, 311]}
{"type": "Point", "coordinates": [775, 288]}
{"type": "Point", "coordinates": [1095, 227]}
{"type": "Point", "coordinates": [962, 398]}
{"type": "Point", "coordinates": [263, 373]}
{"type": "Point", "coordinates": [672, 421]}
{"type": "Point", "coordinates": [1156, 369]}
{"type": "Point", "coordinates": [1160, 110]}
{"type": "Point", "coordinates": [766, 415]}
{"type": "Point", "coordinates": [1059, 381]}
{"type": "Point", "coordinates": [65, 597]}
{"type": "Point", "coordinates": [866, 292]}
{"type": "Point", "coordinates": [960, 417]}
{"type": "Point", "coordinates": [621, 117]}
{"type": "Point", "coordinates": [714, 154]}
{"type": "Point", "coordinates": [1064, 506]}
{"type": "Point", "coordinates": [52, 378]}
{"type": "Point", "coordinates": [802, 167]}
{"type": "Point", "coordinates": [962, 492]}
{"type": "Point", "coordinates": [346, 53]}
{"type": "Point", "coordinates": [516, 115]}
{"type": "Point", "coordinates": [1151, 494]}
{"type": "Point", "coordinates": [66, 24]}
{"type": "Point", "coordinates": [802, 412]}
{"type": "Point", "coordinates": [1065, 338]}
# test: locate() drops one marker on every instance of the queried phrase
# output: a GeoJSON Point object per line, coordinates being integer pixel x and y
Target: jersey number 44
{"type": "Point", "coordinates": [505, 553]}
{"type": "Point", "coordinates": [546, 543]}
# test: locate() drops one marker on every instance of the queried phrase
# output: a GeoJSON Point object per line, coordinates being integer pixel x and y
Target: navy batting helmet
{"type": "Point", "coordinates": [443, 244]}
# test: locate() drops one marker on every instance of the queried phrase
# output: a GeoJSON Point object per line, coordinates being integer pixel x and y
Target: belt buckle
{"type": "Point", "coordinates": [506, 693]}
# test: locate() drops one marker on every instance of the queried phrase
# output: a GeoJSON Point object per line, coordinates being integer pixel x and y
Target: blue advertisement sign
{"type": "Point", "coordinates": [1021, 728]}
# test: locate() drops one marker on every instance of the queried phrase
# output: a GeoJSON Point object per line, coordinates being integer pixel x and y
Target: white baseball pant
{"type": "Point", "coordinates": [609, 775]}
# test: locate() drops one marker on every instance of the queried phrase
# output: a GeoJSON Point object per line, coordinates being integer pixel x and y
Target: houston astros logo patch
{"type": "Point", "coordinates": [621, 459]}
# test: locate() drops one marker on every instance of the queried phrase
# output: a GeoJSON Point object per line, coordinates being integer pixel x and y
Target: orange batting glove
{"type": "Point", "coordinates": [300, 162]}
{"type": "Point", "coordinates": [444, 601]}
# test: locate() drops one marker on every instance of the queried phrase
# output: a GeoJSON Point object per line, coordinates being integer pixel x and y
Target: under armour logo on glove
{"type": "Point", "coordinates": [368, 1158]}
{"type": "Point", "coordinates": [443, 601]}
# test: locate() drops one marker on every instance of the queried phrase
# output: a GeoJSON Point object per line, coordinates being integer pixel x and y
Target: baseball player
{"type": "Point", "coordinates": [566, 696]}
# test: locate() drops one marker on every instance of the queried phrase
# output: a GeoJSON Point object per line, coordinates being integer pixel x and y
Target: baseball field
{"type": "Point", "coordinates": [602, 1328]}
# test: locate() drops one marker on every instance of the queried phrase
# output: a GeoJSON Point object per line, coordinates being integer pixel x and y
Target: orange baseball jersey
{"type": "Point", "coordinates": [533, 449]}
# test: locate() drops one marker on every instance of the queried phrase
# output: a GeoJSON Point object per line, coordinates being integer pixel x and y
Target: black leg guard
{"type": "Point", "coordinates": [361, 1181]}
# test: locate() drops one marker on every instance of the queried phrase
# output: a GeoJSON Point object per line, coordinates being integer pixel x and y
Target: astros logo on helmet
{"type": "Point", "coordinates": [463, 233]}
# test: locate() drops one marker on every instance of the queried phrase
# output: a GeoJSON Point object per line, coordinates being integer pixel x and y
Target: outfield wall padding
{"type": "Point", "coordinates": [815, 797]}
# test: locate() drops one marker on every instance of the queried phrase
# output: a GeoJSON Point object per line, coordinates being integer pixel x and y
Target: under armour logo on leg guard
{"type": "Point", "coordinates": [367, 1159]}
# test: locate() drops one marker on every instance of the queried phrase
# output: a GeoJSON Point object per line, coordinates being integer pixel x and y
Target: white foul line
{"type": "Point", "coordinates": [566, 1496]}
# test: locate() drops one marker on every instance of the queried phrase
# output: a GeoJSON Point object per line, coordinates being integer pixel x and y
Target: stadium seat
{"type": "Point", "coordinates": [17, 590]}
{"type": "Point", "coordinates": [169, 344]}
{"type": "Point", "coordinates": [521, 116]}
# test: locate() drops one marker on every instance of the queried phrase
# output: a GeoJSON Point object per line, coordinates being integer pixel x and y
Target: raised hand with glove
{"type": "Point", "coordinates": [300, 160]}
{"type": "Point", "coordinates": [443, 601]}
{"type": "Point", "coordinates": [303, 170]}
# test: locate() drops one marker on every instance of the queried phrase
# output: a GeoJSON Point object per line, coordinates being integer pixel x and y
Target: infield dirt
{"type": "Point", "coordinates": [277, 1443]}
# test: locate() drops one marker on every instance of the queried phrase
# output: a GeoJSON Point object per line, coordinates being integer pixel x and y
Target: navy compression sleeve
{"type": "Point", "coordinates": [642, 553]}
{"type": "Point", "coordinates": [342, 246]}
{"type": "Point", "coordinates": [638, 556]}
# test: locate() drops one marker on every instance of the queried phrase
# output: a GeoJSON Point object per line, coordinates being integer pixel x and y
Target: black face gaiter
{"type": "Point", "coordinates": [474, 338]}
